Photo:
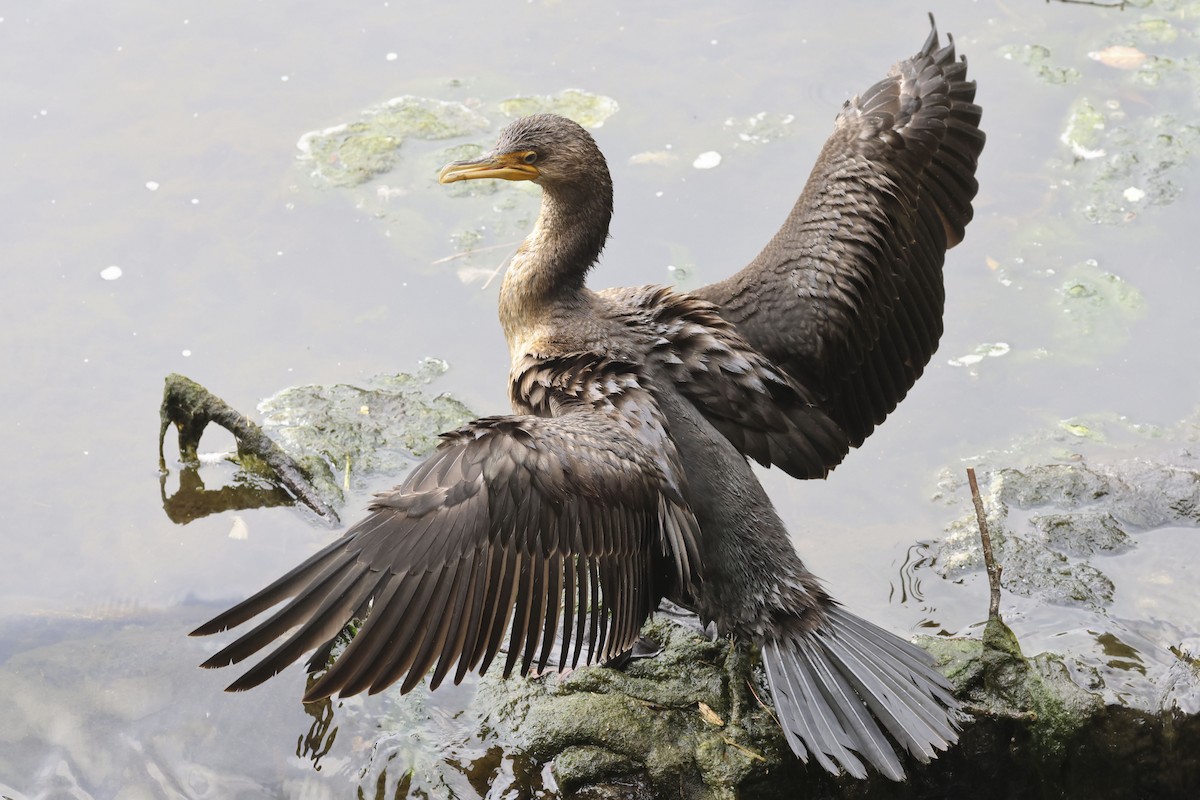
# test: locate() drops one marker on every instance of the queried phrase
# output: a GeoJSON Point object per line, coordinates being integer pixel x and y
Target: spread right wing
{"type": "Point", "coordinates": [848, 296]}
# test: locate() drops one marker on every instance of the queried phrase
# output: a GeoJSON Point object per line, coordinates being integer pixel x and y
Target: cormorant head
{"type": "Point", "coordinates": [547, 149]}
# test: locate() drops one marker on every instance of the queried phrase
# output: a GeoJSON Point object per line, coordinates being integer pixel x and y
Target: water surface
{"type": "Point", "coordinates": [161, 139]}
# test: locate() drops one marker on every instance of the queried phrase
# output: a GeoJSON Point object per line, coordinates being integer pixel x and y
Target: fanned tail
{"type": "Point", "coordinates": [837, 690]}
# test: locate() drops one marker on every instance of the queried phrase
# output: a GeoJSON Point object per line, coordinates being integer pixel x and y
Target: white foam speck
{"type": "Point", "coordinates": [239, 531]}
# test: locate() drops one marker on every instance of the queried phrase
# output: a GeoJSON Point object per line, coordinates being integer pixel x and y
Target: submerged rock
{"type": "Point", "coordinates": [351, 432]}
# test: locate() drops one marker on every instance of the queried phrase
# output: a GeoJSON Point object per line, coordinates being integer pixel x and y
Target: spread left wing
{"type": "Point", "coordinates": [514, 528]}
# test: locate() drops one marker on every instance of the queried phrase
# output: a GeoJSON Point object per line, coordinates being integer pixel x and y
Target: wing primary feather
{"type": "Point", "coordinates": [327, 621]}
{"type": "Point", "coordinates": [440, 614]}
{"type": "Point", "coordinates": [594, 611]}
{"type": "Point", "coordinates": [281, 589]}
{"type": "Point", "coordinates": [366, 658]}
{"type": "Point", "coordinates": [630, 559]}
{"type": "Point", "coordinates": [397, 649]}
{"type": "Point", "coordinates": [407, 646]}
{"type": "Point", "coordinates": [479, 625]}
{"type": "Point", "coordinates": [498, 557]}
{"type": "Point", "coordinates": [294, 613]}
{"type": "Point", "coordinates": [581, 606]}
{"type": "Point", "coordinates": [553, 594]}
{"type": "Point", "coordinates": [481, 589]}
{"type": "Point", "coordinates": [504, 610]}
{"type": "Point", "coordinates": [568, 608]}
{"type": "Point", "coordinates": [364, 648]}
{"type": "Point", "coordinates": [537, 609]}
{"type": "Point", "coordinates": [521, 612]}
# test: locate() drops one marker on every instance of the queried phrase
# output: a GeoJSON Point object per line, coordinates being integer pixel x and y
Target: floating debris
{"type": "Point", "coordinates": [1037, 58]}
{"type": "Point", "coordinates": [354, 152]}
{"type": "Point", "coordinates": [986, 350]}
{"type": "Point", "coordinates": [588, 109]}
{"type": "Point", "coordinates": [239, 530]}
{"type": "Point", "coordinates": [1082, 131]}
{"type": "Point", "coordinates": [761, 128]}
{"type": "Point", "coordinates": [1119, 57]}
{"type": "Point", "coordinates": [659, 157]}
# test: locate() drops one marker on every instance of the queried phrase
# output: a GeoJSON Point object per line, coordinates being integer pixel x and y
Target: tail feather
{"type": "Point", "coordinates": [908, 715]}
{"type": "Point", "coordinates": [839, 688]}
{"type": "Point", "coordinates": [857, 719]}
{"type": "Point", "coordinates": [818, 731]}
{"type": "Point", "coordinates": [916, 660]}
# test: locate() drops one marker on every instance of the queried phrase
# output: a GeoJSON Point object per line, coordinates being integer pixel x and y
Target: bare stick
{"type": "Point", "coordinates": [989, 559]}
{"type": "Point", "coordinates": [1119, 4]}
{"type": "Point", "coordinates": [471, 252]}
{"type": "Point", "coordinates": [190, 407]}
{"type": "Point", "coordinates": [499, 268]}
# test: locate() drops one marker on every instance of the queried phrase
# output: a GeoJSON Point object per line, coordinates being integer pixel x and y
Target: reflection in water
{"type": "Point", "coordinates": [192, 501]}
{"type": "Point", "coordinates": [909, 587]}
{"type": "Point", "coordinates": [1121, 655]}
{"type": "Point", "coordinates": [910, 581]}
{"type": "Point", "coordinates": [318, 741]}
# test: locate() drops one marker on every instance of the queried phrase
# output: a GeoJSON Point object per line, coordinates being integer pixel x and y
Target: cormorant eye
{"type": "Point", "coordinates": [530, 157]}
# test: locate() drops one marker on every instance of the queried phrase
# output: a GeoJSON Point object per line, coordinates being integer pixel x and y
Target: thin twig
{"type": "Point", "coordinates": [472, 251]}
{"type": "Point", "coordinates": [1120, 4]}
{"type": "Point", "coordinates": [989, 559]}
{"type": "Point", "coordinates": [766, 707]}
{"type": "Point", "coordinates": [745, 750]}
{"type": "Point", "coordinates": [499, 268]}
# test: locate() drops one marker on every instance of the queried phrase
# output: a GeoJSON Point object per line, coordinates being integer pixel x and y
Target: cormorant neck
{"type": "Point", "coordinates": [546, 276]}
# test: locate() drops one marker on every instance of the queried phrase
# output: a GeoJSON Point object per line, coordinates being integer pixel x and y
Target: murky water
{"type": "Point", "coordinates": [161, 140]}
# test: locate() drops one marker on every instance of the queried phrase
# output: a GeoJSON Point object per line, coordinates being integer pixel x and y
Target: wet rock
{"type": "Point", "coordinates": [684, 722]}
{"type": "Point", "coordinates": [1082, 535]}
{"type": "Point", "coordinates": [1105, 537]}
{"type": "Point", "coordinates": [642, 732]}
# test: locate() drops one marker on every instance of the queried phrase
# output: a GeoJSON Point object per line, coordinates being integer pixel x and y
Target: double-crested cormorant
{"type": "Point", "coordinates": [622, 477]}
